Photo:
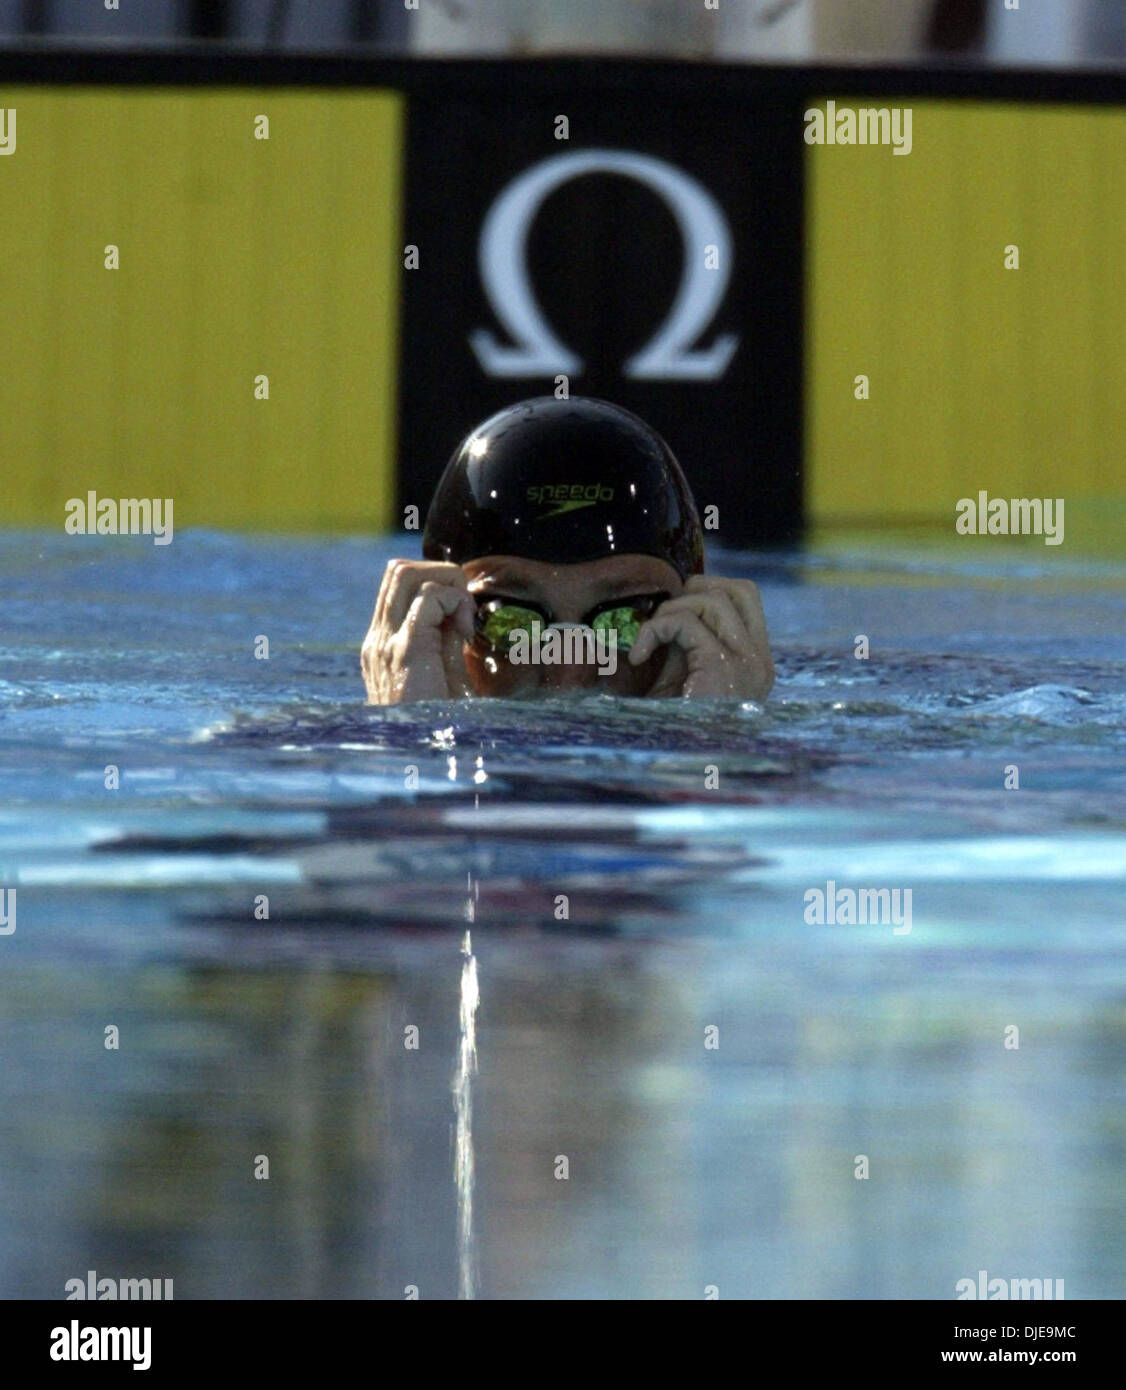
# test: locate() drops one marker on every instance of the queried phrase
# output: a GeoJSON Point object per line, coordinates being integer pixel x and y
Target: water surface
{"type": "Point", "coordinates": [540, 1037]}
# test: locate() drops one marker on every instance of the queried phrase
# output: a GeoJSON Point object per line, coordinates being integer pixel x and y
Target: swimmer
{"type": "Point", "coordinates": [555, 515]}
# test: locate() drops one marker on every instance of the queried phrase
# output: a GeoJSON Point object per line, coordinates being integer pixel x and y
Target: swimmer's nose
{"type": "Point", "coordinates": [576, 675]}
{"type": "Point", "coordinates": [563, 677]}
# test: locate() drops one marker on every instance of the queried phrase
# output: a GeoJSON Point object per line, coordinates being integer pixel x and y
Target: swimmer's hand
{"type": "Point", "coordinates": [414, 647]}
{"type": "Point", "coordinates": [716, 640]}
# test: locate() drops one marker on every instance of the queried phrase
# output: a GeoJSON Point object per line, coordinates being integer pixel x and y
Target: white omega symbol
{"type": "Point", "coordinates": [502, 258]}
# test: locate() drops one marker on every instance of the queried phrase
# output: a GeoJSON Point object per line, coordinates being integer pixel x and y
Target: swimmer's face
{"type": "Point", "coordinates": [569, 594]}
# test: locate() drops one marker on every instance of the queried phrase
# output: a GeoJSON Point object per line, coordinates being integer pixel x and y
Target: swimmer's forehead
{"type": "Point", "coordinates": [605, 578]}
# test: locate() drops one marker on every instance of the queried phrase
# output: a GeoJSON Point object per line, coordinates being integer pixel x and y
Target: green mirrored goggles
{"type": "Point", "coordinates": [499, 617]}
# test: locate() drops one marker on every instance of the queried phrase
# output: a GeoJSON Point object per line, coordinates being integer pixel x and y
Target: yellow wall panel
{"type": "Point", "coordinates": [238, 257]}
{"type": "Point", "coordinates": [1012, 381]}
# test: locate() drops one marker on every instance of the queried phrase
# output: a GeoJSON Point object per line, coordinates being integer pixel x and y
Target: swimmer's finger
{"type": "Point", "coordinates": [744, 594]}
{"type": "Point", "coordinates": [681, 627]}
{"type": "Point", "coordinates": [367, 666]}
{"type": "Point", "coordinates": [435, 603]}
{"type": "Point", "coordinates": [453, 663]}
{"type": "Point", "coordinates": [408, 581]}
{"type": "Point", "coordinates": [716, 611]}
{"type": "Point", "coordinates": [373, 650]}
{"type": "Point", "coordinates": [386, 586]}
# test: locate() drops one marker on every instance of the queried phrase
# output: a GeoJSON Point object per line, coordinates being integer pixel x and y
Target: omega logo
{"type": "Point", "coordinates": [502, 258]}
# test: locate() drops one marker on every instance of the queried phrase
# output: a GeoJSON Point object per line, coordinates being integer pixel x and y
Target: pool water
{"type": "Point", "coordinates": [545, 1017]}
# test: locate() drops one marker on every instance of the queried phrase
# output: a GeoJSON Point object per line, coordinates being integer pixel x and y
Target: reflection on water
{"type": "Point", "coordinates": [463, 1108]}
{"type": "Point", "coordinates": [688, 1166]}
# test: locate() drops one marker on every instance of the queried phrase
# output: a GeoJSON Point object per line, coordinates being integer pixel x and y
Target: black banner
{"type": "Point", "coordinates": [1061, 1340]}
{"type": "Point", "coordinates": [652, 257]}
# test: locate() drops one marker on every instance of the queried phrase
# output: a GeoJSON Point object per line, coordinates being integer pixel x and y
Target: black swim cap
{"type": "Point", "coordinates": [563, 482]}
